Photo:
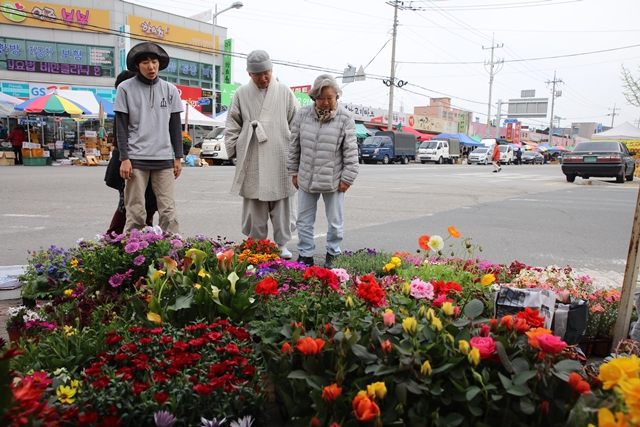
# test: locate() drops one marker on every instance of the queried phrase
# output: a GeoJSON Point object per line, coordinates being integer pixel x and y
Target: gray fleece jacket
{"type": "Point", "coordinates": [323, 154]}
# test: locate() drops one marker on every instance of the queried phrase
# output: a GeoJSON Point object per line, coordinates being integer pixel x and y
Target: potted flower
{"type": "Point", "coordinates": [24, 321]}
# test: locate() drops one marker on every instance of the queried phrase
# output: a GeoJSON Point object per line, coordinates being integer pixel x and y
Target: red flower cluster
{"type": "Point", "coordinates": [268, 286]}
{"type": "Point", "coordinates": [579, 385]}
{"type": "Point", "coordinates": [443, 288]}
{"type": "Point", "coordinates": [532, 317]}
{"type": "Point", "coordinates": [370, 291]}
{"type": "Point", "coordinates": [327, 277]}
{"type": "Point", "coordinates": [258, 247]}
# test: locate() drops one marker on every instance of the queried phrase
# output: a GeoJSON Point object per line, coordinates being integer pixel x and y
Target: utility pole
{"type": "Point", "coordinates": [392, 80]}
{"type": "Point", "coordinates": [613, 114]}
{"type": "Point", "coordinates": [492, 65]}
{"type": "Point", "coordinates": [553, 98]}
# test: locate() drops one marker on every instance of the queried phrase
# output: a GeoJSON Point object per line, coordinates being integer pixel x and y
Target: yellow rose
{"type": "Point", "coordinates": [378, 390]}
{"type": "Point", "coordinates": [406, 289]}
{"type": "Point", "coordinates": [430, 314]}
{"type": "Point", "coordinates": [474, 356]}
{"type": "Point", "coordinates": [423, 311]}
{"type": "Point", "coordinates": [426, 368]}
{"type": "Point", "coordinates": [447, 308]}
{"type": "Point", "coordinates": [617, 370]}
{"type": "Point", "coordinates": [631, 391]}
{"type": "Point", "coordinates": [396, 261]}
{"type": "Point", "coordinates": [464, 347]}
{"type": "Point", "coordinates": [388, 267]}
{"type": "Point", "coordinates": [488, 279]}
{"type": "Point", "coordinates": [410, 325]}
{"type": "Point", "coordinates": [436, 324]}
{"type": "Point", "coordinates": [349, 303]}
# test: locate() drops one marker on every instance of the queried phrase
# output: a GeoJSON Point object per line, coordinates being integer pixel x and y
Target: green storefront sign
{"type": "Point", "coordinates": [226, 93]}
{"type": "Point", "coordinates": [227, 61]}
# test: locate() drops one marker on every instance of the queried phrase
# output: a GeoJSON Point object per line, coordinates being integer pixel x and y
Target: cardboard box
{"type": "Point", "coordinates": [104, 150]}
{"type": "Point", "coordinates": [194, 151]}
{"type": "Point", "coordinates": [7, 158]}
{"type": "Point", "coordinates": [91, 160]}
{"type": "Point", "coordinates": [90, 145]}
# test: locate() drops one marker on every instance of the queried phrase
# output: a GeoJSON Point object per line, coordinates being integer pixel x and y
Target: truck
{"type": "Point", "coordinates": [389, 147]}
{"type": "Point", "coordinates": [439, 151]}
{"type": "Point", "coordinates": [214, 148]}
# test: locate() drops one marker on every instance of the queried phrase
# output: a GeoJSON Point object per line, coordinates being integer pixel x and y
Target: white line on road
{"type": "Point", "coordinates": [27, 215]}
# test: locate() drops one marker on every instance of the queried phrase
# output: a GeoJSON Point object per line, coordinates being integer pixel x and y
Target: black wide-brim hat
{"type": "Point", "coordinates": [147, 48]}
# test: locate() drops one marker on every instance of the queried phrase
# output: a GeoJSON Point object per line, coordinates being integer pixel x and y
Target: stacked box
{"type": "Point", "coordinates": [7, 158]}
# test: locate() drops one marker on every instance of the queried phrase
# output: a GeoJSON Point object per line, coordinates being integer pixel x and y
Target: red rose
{"type": "Point", "coordinates": [532, 317]}
{"type": "Point", "coordinates": [485, 345]}
{"type": "Point", "coordinates": [286, 348]}
{"type": "Point", "coordinates": [365, 409]}
{"type": "Point", "coordinates": [330, 392]}
{"type": "Point", "coordinates": [161, 398]}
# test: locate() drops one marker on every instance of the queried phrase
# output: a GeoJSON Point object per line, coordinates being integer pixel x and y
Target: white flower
{"type": "Point", "coordinates": [242, 422]}
{"type": "Point", "coordinates": [251, 269]}
{"type": "Point", "coordinates": [81, 240]}
{"type": "Point", "coordinates": [436, 243]}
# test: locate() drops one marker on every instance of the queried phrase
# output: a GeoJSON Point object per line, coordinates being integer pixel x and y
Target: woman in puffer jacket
{"type": "Point", "coordinates": [323, 160]}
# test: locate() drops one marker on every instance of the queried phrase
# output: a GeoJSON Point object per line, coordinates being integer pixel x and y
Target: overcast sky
{"type": "Point", "coordinates": [442, 47]}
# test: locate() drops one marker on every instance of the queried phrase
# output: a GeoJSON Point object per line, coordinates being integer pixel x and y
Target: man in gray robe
{"type": "Point", "coordinates": [258, 130]}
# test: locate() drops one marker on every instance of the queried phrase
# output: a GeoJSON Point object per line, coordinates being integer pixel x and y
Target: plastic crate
{"type": "Point", "coordinates": [36, 161]}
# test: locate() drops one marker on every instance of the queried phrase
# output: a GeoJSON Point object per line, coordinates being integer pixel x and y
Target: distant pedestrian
{"type": "Point", "coordinates": [519, 156]}
{"type": "Point", "coordinates": [3, 131]}
{"type": "Point", "coordinates": [495, 158]}
{"type": "Point", "coordinates": [17, 137]}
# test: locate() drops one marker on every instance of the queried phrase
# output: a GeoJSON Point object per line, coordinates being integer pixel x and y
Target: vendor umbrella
{"type": "Point", "coordinates": [7, 103]}
{"type": "Point", "coordinates": [52, 105]}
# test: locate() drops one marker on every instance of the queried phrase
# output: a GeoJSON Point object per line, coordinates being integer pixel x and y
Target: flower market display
{"type": "Point", "coordinates": [151, 329]}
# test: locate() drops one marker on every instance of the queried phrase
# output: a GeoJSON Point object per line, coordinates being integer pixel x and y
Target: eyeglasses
{"type": "Point", "coordinates": [262, 74]}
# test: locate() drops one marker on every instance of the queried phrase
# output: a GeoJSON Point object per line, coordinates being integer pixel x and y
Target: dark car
{"type": "Point", "coordinates": [599, 159]}
{"type": "Point", "coordinates": [532, 157]}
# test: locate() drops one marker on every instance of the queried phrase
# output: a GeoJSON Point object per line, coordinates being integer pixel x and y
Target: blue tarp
{"type": "Point", "coordinates": [465, 140]}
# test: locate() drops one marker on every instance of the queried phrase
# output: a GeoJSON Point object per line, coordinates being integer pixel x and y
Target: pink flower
{"type": "Point", "coordinates": [485, 345]}
{"type": "Point", "coordinates": [342, 274]}
{"type": "Point", "coordinates": [551, 344]}
{"type": "Point", "coordinates": [421, 289]}
{"type": "Point", "coordinates": [440, 299]}
{"type": "Point", "coordinates": [389, 319]}
{"type": "Point", "coordinates": [484, 330]}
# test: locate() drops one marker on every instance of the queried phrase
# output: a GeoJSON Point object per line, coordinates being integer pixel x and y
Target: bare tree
{"type": "Point", "coordinates": [631, 86]}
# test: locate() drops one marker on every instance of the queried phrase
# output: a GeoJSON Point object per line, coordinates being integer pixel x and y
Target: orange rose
{"type": "Point", "coordinates": [507, 321]}
{"type": "Point", "coordinates": [330, 392]}
{"type": "Point", "coordinates": [533, 335]}
{"type": "Point", "coordinates": [522, 326]}
{"type": "Point", "coordinates": [364, 408]}
{"type": "Point", "coordinates": [309, 346]}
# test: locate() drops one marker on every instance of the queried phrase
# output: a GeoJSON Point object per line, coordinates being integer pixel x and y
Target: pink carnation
{"type": "Point", "coordinates": [421, 289]}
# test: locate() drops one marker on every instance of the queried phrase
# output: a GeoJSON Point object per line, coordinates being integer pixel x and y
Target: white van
{"type": "Point", "coordinates": [213, 147]}
{"type": "Point", "coordinates": [506, 154]}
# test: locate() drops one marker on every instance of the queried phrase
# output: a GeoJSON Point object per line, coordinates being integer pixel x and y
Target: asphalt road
{"type": "Point", "coordinates": [527, 213]}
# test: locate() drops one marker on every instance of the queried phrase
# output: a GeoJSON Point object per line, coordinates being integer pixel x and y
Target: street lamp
{"type": "Point", "coordinates": [235, 5]}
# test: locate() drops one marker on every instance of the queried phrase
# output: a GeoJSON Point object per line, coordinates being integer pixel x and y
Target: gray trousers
{"type": "Point", "coordinates": [256, 214]}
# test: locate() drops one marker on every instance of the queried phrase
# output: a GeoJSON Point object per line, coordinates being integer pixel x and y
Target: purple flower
{"type": "Point", "coordinates": [212, 423]}
{"type": "Point", "coordinates": [117, 279]}
{"type": "Point", "coordinates": [177, 243]}
{"type": "Point", "coordinates": [131, 247]}
{"type": "Point", "coordinates": [164, 419]}
{"type": "Point", "coordinates": [139, 260]}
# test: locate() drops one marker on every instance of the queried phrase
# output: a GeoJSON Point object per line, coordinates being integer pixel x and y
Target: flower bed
{"type": "Point", "coordinates": [160, 330]}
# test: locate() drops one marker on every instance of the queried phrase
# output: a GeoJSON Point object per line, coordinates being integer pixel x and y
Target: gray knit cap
{"type": "Point", "coordinates": [258, 61]}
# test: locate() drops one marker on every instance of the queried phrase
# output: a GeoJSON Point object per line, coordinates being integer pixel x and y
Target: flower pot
{"type": "Point", "coordinates": [14, 337]}
{"type": "Point", "coordinates": [586, 345]}
{"type": "Point", "coordinates": [29, 302]}
{"type": "Point", "coordinates": [602, 346]}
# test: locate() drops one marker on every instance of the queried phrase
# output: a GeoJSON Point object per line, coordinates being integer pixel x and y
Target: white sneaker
{"type": "Point", "coordinates": [285, 252]}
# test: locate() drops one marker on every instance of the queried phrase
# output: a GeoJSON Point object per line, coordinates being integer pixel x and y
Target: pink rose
{"type": "Point", "coordinates": [421, 289]}
{"type": "Point", "coordinates": [484, 330]}
{"type": "Point", "coordinates": [485, 345]}
{"type": "Point", "coordinates": [389, 319]}
{"type": "Point", "coordinates": [551, 344]}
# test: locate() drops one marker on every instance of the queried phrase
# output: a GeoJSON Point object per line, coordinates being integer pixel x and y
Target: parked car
{"type": "Point", "coordinates": [599, 159]}
{"type": "Point", "coordinates": [214, 147]}
{"type": "Point", "coordinates": [532, 157]}
{"type": "Point", "coordinates": [481, 155]}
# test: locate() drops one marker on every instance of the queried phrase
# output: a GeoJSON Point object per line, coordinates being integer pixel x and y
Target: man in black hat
{"type": "Point", "coordinates": [149, 137]}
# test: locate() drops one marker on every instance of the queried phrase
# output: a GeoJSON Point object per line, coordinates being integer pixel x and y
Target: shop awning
{"type": "Point", "coordinates": [419, 135]}
{"type": "Point", "coordinates": [362, 131]}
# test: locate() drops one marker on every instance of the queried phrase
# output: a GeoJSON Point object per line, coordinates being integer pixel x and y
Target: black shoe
{"type": "Point", "coordinates": [307, 260]}
{"type": "Point", "coordinates": [328, 262]}
{"type": "Point", "coordinates": [499, 169]}
{"type": "Point", "coordinates": [494, 171]}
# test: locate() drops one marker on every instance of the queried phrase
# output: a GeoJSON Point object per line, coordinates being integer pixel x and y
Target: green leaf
{"type": "Point", "coordinates": [523, 377]}
{"type": "Point", "coordinates": [472, 392]}
{"type": "Point", "coordinates": [361, 352]}
{"type": "Point", "coordinates": [314, 381]}
{"type": "Point", "coordinates": [385, 370]}
{"type": "Point", "coordinates": [300, 375]}
{"type": "Point", "coordinates": [414, 388]}
{"type": "Point", "coordinates": [506, 382]}
{"type": "Point", "coordinates": [450, 420]}
{"type": "Point", "coordinates": [519, 390]}
{"type": "Point", "coordinates": [475, 410]}
{"type": "Point", "coordinates": [442, 368]}
{"type": "Point", "coordinates": [520, 365]}
{"type": "Point", "coordinates": [401, 393]}
{"type": "Point", "coordinates": [183, 301]}
{"type": "Point", "coordinates": [564, 368]}
{"type": "Point", "coordinates": [504, 358]}
{"type": "Point", "coordinates": [474, 308]}
{"type": "Point", "coordinates": [526, 406]}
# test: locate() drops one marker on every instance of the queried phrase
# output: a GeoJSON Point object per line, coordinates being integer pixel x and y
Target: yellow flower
{"type": "Point", "coordinates": [349, 303]}
{"type": "Point", "coordinates": [68, 292]}
{"type": "Point", "coordinates": [426, 368]}
{"type": "Point", "coordinates": [631, 391]}
{"type": "Point", "coordinates": [68, 330]}
{"type": "Point", "coordinates": [396, 261]}
{"type": "Point", "coordinates": [464, 347]}
{"type": "Point", "coordinates": [406, 289]}
{"type": "Point", "coordinates": [474, 356]}
{"type": "Point", "coordinates": [154, 317]}
{"type": "Point", "coordinates": [75, 383]}
{"type": "Point", "coordinates": [157, 275]}
{"type": "Point", "coordinates": [488, 279]}
{"type": "Point", "coordinates": [202, 273]}
{"type": "Point", "coordinates": [423, 311]}
{"type": "Point", "coordinates": [430, 314]}
{"type": "Point", "coordinates": [378, 390]}
{"type": "Point", "coordinates": [436, 324]}
{"type": "Point", "coordinates": [197, 285]}
{"type": "Point", "coordinates": [617, 370]}
{"type": "Point", "coordinates": [347, 332]}
{"type": "Point", "coordinates": [65, 394]}
{"type": "Point", "coordinates": [447, 308]}
{"type": "Point", "coordinates": [215, 291]}
{"type": "Point", "coordinates": [388, 267]}
{"type": "Point", "coordinates": [233, 278]}
{"type": "Point", "coordinates": [74, 263]}
{"type": "Point", "coordinates": [606, 419]}
{"type": "Point", "coordinates": [410, 325]}
{"type": "Point", "coordinates": [170, 264]}
{"type": "Point", "coordinates": [362, 393]}
{"type": "Point", "coordinates": [403, 311]}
